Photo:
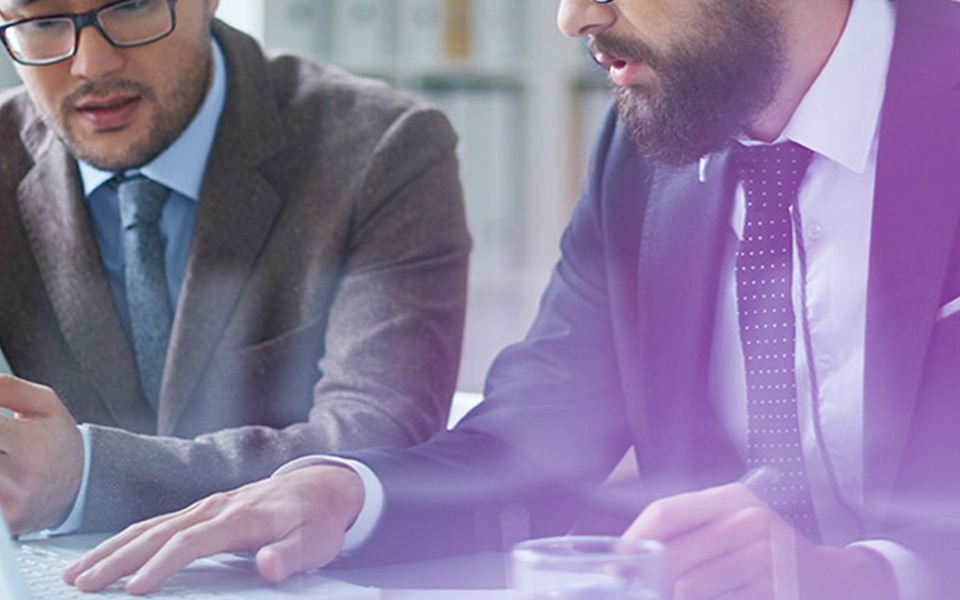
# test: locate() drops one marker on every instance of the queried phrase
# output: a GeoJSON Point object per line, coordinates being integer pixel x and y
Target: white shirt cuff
{"type": "Point", "coordinates": [369, 515]}
{"type": "Point", "coordinates": [915, 579]}
{"type": "Point", "coordinates": [73, 521]}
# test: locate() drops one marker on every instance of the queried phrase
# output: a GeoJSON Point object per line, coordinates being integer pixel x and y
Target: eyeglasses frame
{"type": "Point", "coordinates": [81, 20]}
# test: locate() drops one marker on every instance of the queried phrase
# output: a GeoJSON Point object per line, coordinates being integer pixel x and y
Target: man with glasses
{"type": "Point", "coordinates": [759, 292]}
{"type": "Point", "coordinates": [212, 260]}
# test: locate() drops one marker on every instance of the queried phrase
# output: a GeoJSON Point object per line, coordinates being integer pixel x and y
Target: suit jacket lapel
{"type": "Point", "coordinates": [235, 214]}
{"type": "Point", "coordinates": [916, 209]}
{"type": "Point", "coordinates": [63, 243]}
{"type": "Point", "coordinates": [681, 249]}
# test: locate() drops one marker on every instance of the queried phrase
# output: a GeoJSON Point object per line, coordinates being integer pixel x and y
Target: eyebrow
{"type": "Point", "coordinates": [12, 6]}
{"type": "Point", "coordinates": [15, 4]}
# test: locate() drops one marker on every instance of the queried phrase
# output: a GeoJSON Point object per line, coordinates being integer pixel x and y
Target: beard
{"type": "Point", "coordinates": [708, 89]}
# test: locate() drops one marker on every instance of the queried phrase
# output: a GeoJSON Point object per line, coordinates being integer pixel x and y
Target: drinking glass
{"type": "Point", "coordinates": [587, 568]}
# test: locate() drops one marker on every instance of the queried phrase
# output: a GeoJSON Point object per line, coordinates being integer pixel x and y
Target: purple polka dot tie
{"type": "Point", "coordinates": [771, 176]}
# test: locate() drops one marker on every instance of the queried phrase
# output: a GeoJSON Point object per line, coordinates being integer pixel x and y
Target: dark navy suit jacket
{"type": "Point", "coordinates": [619, 352]}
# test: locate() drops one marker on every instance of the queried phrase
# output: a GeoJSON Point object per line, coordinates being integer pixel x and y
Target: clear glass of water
{"type": "Point", "coordinates": [587, 568]}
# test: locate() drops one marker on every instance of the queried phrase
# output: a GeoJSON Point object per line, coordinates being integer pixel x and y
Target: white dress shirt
{"type": "Point", "coordinates": [839, 120]}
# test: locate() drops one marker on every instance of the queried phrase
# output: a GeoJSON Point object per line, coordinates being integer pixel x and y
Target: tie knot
{"type": "Point", "coordinates": [771, 175]}
{"type": "Point", "coordinates": [141, 200]}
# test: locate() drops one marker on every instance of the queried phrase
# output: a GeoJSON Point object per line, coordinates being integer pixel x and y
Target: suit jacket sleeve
{"type": "Point", "coordinates": [551, 426]}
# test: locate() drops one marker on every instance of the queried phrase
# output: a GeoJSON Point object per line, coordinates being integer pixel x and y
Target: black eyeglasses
{"type": "Point", "coordinates": [54, 38]}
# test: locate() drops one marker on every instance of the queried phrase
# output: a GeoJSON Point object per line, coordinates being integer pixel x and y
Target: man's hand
{"type": "Point", "coordinates": [41, 456]}
{"type": "Point", "coordinates": [293, 522]}
{"type": "Point", "coordinates": [725, 543]}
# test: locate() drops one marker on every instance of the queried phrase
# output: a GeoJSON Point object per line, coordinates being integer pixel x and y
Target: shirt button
{"type": "Point", "coordinates": [814, 232]}
{"type": "Point", "coordinates": [825, 361]}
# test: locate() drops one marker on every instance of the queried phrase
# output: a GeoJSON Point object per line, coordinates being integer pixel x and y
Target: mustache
{"type": "Point", "coordinates": [106, 88]}
{"type": "Point", "coordinates": [619, 48]}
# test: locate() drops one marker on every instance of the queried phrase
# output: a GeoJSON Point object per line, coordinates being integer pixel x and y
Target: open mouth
{"type": "Point", "coordinates": [109, 113]}
{"type": "Point", "coordinates": [625, 61]}
{"type": "Point", "coordinates": [622, 72]}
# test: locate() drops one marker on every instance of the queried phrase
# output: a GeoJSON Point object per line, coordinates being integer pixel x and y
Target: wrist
{"type": "Point", "coordinates": [68, 481]}
{"type": "Point", "coordinates": [339, 487]}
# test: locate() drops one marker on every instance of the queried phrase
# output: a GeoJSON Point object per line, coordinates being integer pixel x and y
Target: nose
{"type": "Point", "coordinates": [96, 58]}
{"type": "Point", "coordinates": [577, 18]}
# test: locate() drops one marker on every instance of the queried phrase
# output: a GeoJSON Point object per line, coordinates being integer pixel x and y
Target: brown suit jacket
{"type": "Point", "coordinates": [322, 305]}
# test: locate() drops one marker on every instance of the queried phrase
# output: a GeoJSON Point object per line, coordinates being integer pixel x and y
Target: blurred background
{"type": "Point", "coordinates": [524, 100]}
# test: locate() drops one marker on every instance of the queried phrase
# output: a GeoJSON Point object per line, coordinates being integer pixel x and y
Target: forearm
{"type": "Point", "coordinates": [134, 477]}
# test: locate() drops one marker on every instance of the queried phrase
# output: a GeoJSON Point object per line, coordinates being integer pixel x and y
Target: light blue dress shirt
{"type": "Point", "coordinates": [180, 167]}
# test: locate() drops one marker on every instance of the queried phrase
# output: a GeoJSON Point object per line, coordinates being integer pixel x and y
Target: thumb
{"type": "Point", "coordinates": [291, 554]}
{"type": "Point", "coordinates": [24, 397]}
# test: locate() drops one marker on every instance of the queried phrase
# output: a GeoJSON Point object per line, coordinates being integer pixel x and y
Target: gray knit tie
{"type": "Point", "coordinates": [148, 298]}
{"type": "Point", "coordinates": [771, 177]}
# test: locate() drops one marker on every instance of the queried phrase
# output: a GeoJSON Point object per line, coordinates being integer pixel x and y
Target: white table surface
{"type": "Point", "coordinates": [471, 577]}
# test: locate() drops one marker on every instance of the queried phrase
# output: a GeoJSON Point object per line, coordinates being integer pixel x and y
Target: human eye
{"type": "Point", "coordinates": [44, 26]}
{"type": "Point", "coordinates": [132, 11]}
{"type": "Point", "coordinates": [134, 6]}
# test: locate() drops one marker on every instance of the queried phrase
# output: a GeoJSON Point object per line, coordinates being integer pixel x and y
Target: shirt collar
{"type": "Point", "coordinates": [839, 116]}
{"type": "Point", "coordinates": [181, 166]}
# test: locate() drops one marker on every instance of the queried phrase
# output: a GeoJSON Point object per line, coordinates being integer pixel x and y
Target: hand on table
{"type": "Point", "coordinates": [293, 522]}
{"type": "Point", "coordinates": [725, 543]}
{"type": "Point", "coordinates": [41, 456]}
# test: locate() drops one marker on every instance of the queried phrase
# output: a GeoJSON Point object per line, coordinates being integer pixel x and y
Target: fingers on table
{"type": "Point", "coordinates": [221, 533]}
{"type": "Point", "coordinates": [157, 548]}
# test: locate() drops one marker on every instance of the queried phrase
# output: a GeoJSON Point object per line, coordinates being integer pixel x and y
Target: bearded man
{"type": "Point", "coordinates": [762, 277]}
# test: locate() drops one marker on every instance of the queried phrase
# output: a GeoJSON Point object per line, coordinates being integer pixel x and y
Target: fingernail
{"type": "Point", "coordinates": [82, 581]}
{"type": "Point", "coordinates": [135, 587]}
{"type": "Point", "coordinates": [69, 574]}
{"type": "Point", "coordinates": [136, 581]}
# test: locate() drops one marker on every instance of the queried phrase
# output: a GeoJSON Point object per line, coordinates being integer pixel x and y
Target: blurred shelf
{"type": "Point", "coordinates": [524, 100]}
